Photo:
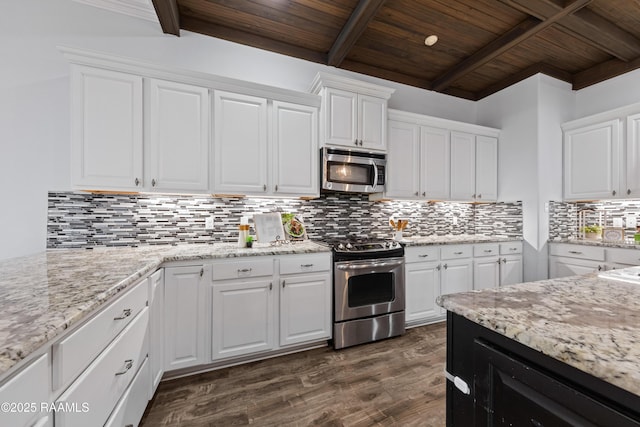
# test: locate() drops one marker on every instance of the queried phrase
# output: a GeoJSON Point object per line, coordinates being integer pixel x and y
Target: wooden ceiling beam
{"type": "Point", "coordinates": [587, 26]}
{"type": "Point", "coordinates": [168, 15]}
{"type": "Point", "coordinates": [526, 29]}
{"type": "Point", "coordinates": [364, 12]}
{"type": "Point", "coordinates": [602, 72]}
{"type": "Point", "coordinates": [242, 37]}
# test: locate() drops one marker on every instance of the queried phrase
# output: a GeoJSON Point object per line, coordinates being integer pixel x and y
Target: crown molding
{"type": "Point", "coordinates": [137, 8]}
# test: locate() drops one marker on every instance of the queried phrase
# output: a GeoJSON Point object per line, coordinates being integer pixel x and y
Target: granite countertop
{"type": "Point", "coordinates": [455, 239]}
{"type": "Point", "coordinates": [587, 322]}
{"type": "Point", "coordinates": [42, 295]}
{"type": "Point", "coordinates": [601, 243]}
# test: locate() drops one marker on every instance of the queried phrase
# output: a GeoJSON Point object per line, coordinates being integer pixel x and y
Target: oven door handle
{"type": "Point", "coordinates": [376, 264]}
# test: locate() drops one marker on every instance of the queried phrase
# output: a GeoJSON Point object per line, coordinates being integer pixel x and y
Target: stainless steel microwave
{"type": "Point", "coordinates": [352, 171]}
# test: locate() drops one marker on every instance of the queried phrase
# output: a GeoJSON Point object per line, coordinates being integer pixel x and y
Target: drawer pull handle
{"type": "Point", "coordinates": [458, 253]}
{"type": "Point", "coordinates": [513, 249]}
{"type": "Point", "coordinates": [244, 270]}
{"type": "Point", "coordinates": [423, 256]}
{"type": "Point", "coordinates": [488, 251]}
{"type": "Point", "coordinates": [125, 313]}
{"type": "Point", "coordinates": [128, 364]}
{"type": "Point", "coordinates": [575, 252]}
{"type": "Point", "coordinates": [306, 265]}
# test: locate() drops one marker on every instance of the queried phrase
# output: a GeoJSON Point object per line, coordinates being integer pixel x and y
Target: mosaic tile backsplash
{"type": "Point", "coordinates": [563, 216]}
{"type": "Point", "coordinates": [77, 219]}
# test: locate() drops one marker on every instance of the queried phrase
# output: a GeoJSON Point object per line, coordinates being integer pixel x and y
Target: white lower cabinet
{"type": "Point", "coordinates": [305, 308]}
{"type": "Point", "coordinates": [29, 387]}
{"type": "Point", "coordinates": [422, 287]}
{"type": "Point", "coordinates": [95, 393]}
{"type": "Point", "coordinates": [242, 317]}
{"type": "Point", "coordinates": [562, 267]}
{"type": "Point", "coordinates": [130, 408]}
{"type": "Point", "coordinates": [497, 264]}
{"type": "Point", "coordinates": [184, 315]}
{"type": "Point", "coordinates": [156, 330]}
{"type": "Point", "coordinates": [486, 272]}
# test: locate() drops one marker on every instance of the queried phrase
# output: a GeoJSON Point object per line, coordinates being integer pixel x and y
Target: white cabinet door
{"type": "Point", "coordinates": [435, 161]}
{"type": "Point", "coordinates": [295, 150]}
{"type": "Point", "coordinates": [106, 129]}
{"type": "Point", "coordinates": [486, 168]}
{"type": "Point", "coordinates": [486, 272]}
{"type": "Point", "coordinates": [372, 122]}
{"type": "Point", "coordinates": [184, 316]}
{"type": "Point", "coordinates": [305, 308]}
{"type": "Point", "coordinates": [562, 267]}
{"type": "Point", "coordinates": [178, 141]}
{"type": "Point", "coordinates": [632, 188]}
{"type": "Point", "coordinates": [463, 166]}
{"type": "Point", "coordinates": [341, 111]}
{"type": "Point", "coordinates": [240, 144]}
{"type": "Point", "coordinates": [156, 329]}
{"type": "Point", "coordinates": [403, 161]}
{"type": "Point", "coordinates": [511, 270]}
{"type": "Point", "coordinates": [31, 385]}
{"type": "Point", "coordinates": [457, 276]}
{"type": "Point", "coordinates": [242, 318]}
{"type": "Point", "coordinates": [591, 161]}
{"type": "Point", "coordinates": [422, 286]}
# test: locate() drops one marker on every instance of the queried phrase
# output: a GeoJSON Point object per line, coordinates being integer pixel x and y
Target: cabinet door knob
{"type": "Point", "coordinates": [283, 284]}
{"type": "Point", "coordinates": [417, 193]}
{"type": "Point", "coordinates": [424, 194]}
{"type": "Point", "coordinates": [504, 260]}
{"type": "Point", "coordinates": [128, 364]}
{"type": "Point", "coordinates": [153, 182]}
{"type": "Point", "coordinates": [438, 267]}
{"type": "Point", "coordinates": [479, 196]}
{"type": "Point", "coordinates": [270, 286]}
{"type": "Point", "coordinates": [137, 181]}
{"type": "Point", "coordinates": [599, 268]}
{"type": "Point", "coordinates": [276, 187]}
{"type": "Point", "coordinates": [201, 271]}
{"type": "Point", "coordinates": [264, 187]}
{"type": "Point", "coordinates": [356, 142]}
{"type": "Point", "coordinates": [445, 266]}
{"type": "Point", "coordinates": [473, 196]}
{"type": "Point", "coordinates": [613, 192]}
{"type": "Point", "coordinates": [628, 191]}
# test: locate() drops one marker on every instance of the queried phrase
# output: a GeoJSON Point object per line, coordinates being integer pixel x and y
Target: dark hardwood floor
{"type": "Point", "coordinates": [396, 382]}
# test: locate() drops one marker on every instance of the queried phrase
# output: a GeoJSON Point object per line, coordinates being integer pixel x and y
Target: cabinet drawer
{"type": "Point", "coordinates": [510, 248]}
{"type": "Point", "coordinates": [456, 251]}
{"type": "Point", "coordinates": [134, 401]}
{"type": "Point", "coordinates": [577, 251]}
{"type": "Point", "coordinates": [243, 268]}
{"type": "Point", "coordinates": [293, 264]}
{"type": "Point", "coordinates": [486, 249]}
{"type": "Point", "coordinates": [31, 385]}
{"type": "Point", "coordinates": [623, 256]}
{"type": "Point", "coordinates": [100, 387]}
{"type": "Point", "coordinates": [74, 353]}
{"type": "Point", "coordinates": [421, 253]}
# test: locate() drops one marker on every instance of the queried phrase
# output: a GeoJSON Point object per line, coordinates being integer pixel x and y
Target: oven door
{"type": "Point", "coordinates": [368, 288]}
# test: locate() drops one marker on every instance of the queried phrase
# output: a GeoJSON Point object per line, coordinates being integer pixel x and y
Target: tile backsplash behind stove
{"type": "Point", "coordinates": [78, 219]}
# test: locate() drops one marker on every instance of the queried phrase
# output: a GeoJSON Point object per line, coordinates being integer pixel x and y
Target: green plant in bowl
{"type": "Point", "coordinates": [591, 229]}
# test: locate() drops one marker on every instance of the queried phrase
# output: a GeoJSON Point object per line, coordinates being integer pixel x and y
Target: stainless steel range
{"type": "Point", "coordinates": [369, 300]}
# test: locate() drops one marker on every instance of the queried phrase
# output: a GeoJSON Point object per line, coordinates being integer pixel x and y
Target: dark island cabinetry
{"type": "Point", "coordinates": [511, 384]}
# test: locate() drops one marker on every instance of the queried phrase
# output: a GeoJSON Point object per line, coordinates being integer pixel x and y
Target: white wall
{"type": "Point", "coordinates": [34, 95]}
{"type": "Point", "coordinates": [613, 93]}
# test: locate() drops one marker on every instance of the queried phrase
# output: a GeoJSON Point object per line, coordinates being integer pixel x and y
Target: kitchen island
{"type": "Point", "coordinates": [555, 352]}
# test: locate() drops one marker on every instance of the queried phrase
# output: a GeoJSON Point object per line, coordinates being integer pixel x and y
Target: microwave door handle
{"type": "Point", "coordinates": [375, 175]}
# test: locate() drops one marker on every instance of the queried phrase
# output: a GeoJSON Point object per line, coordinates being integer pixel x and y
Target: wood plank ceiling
{"type": "Point", "coordinates": [483, 47]}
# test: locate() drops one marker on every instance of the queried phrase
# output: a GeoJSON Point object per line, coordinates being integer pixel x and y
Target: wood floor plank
{"type": "Point", "coordinates": [395, 382]}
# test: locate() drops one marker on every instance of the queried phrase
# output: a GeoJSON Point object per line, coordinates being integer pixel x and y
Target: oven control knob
{"type": "Point", "coordinates": [387, 244]}
{"type": "Point", "coordinates": [349, 246]}
{"type": "Point", "coordinates": [394, 244]}
{"type": "Point", "coordinates": [341, 247]}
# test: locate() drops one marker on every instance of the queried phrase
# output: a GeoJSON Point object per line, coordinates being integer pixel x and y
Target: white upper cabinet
{"type": "Point", "coordinates": [354, 113]}
{"type": "Point", "coordinates": [107, 129]}
{"type": "Point", "coordinates": [633, 157]}
{"type": "Point", "coordinates": [486, 168]}
{"type": "Point", "coordinates": [592, 161]}
{"type": "Point", "coordinates": [474, 167]}
{"type": "Point", "coordinates": [178, 137]}
{"type": "Point", "coordinates": [463, 166]}
{"type": "Point", "coordinates": [240, 144]}
{"type": "Point", "coordinates": [295, 150]}
{"type": "Point", "coordinates": [403, 161]}
{"type": "Point", "coordinates": [435, 160]}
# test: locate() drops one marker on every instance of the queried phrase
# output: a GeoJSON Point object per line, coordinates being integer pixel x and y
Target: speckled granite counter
{"type": "Point", "coordinates": [43, 295]}
{"type": "Point", "coordinates": [587, 322]}
{"type": "Point", "coordinates": [455, 240]}
{"type": "Point", "coordinates": [604, 244]}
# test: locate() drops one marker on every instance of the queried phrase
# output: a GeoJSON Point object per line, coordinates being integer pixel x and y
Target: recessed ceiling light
{"type": "Point", "coordinates": [431, 40]}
